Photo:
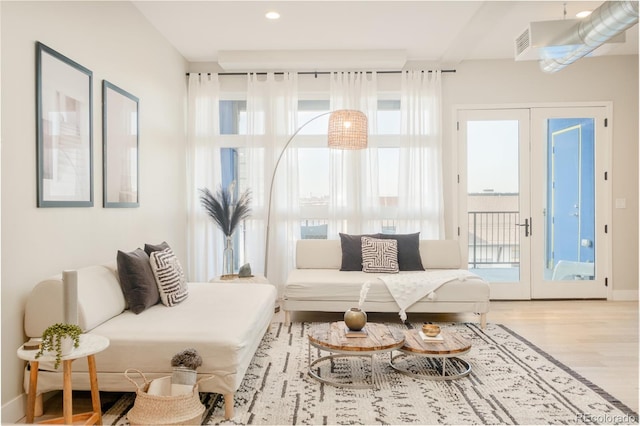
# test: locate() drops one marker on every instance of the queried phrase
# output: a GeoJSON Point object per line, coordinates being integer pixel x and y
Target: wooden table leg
{"type": "Point", "coordinates": [33, 388]}
{"type": "Point", "coordinates": [95, 392]}
{"type": "Point", "coordinates": [67, 398]}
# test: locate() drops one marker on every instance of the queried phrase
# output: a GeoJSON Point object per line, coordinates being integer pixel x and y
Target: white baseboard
{"type": "Point", "coordinates": [624, 295]}
{"type": "Point", "coordinates": [14, 410]}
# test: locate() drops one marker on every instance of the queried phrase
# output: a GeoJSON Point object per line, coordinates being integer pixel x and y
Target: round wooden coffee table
{"type": "Point", "coordinates": [332, 338]}
{"type": "Point", "coordinates": [433, 360]}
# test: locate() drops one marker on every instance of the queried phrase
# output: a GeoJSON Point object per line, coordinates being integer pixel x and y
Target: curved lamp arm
{"type": "Point", "coordinates": [273, 178]}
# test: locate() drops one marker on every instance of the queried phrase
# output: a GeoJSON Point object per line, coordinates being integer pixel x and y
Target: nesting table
{"type": "Point", "coordinates": [90, 344]}
{"type": "Point", "coordinates": [433, 360]}
{"type": "Point", "coordinates": [381, 338]}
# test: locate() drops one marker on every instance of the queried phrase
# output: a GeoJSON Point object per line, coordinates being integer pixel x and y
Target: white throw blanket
{"type": "Point", "coordinates": [408, 288]}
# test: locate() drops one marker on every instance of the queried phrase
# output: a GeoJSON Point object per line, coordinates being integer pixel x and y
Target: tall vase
{"type": "Point", "coordinates": [227, 257]}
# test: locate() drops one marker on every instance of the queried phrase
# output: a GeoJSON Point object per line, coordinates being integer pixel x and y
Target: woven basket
{"type": "Point", "coordinates": [164, 409]}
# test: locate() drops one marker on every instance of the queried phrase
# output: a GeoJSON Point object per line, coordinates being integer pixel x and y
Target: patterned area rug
{"type": "Point", "coordinates": [511, 382]}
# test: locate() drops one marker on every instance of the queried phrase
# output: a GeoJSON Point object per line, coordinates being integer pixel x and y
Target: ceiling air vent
{"type": "Point", "coordinates": [523, 42]}
{"type": "Point", "coordinates": [539, 35]}
{"type": "Point", "coordinates": [550, 39]}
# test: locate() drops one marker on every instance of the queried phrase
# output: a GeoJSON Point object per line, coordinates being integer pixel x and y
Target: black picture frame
{"type": "Point", "coordinates": [120, 147]}
{"type": "Point", "coordinates": [64, 127]}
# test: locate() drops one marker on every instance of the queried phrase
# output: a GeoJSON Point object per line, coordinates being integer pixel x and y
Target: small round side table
{"type": "Point", "coordinates": [90, 344]}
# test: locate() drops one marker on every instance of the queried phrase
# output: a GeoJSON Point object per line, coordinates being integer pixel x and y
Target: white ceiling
{"type": "Point", "coordinates": [440, 32]}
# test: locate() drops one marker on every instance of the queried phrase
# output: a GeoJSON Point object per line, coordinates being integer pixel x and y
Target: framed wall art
{"type": "Point", "coordinates": [64, 96]}
{"type": "Point", "coordinates": [120, 139]}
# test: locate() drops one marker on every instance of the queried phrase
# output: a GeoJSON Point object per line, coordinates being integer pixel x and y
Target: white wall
{"type": "Point", "coordinates": [611, 78]}
{"type": "Point", "coordinates": [114, 41]}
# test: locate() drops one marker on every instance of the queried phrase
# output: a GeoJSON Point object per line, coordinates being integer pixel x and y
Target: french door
{"type": "Point", "coordinates": [494, 199]}
{"type": "Point", "coordinates": [533, 200]}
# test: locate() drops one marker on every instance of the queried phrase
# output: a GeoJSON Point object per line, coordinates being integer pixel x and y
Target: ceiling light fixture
{"type": "Point", "coordinates": [272, 15]}
{"type": "Point", "coordinates": [583, 14]}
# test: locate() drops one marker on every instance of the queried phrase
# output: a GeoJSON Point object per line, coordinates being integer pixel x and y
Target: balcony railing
{"type": "Point", "coordinates": [313, 229]}
{"type": "Point", "coordinates": [494, 239]}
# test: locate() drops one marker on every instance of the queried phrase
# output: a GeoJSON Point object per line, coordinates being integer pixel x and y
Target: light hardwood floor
{"type": "Point", "coordinates": [596, 338]}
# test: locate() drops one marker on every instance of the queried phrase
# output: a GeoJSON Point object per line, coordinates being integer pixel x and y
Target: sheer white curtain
{"type": "Point", "coordinates": [420, 193]}
{"type": "Point", "coordinates": [353, 192]}
{"type": "Point", "coordinates": [272, 104]}
{"type": "Point", "coordinates": [204, 239]}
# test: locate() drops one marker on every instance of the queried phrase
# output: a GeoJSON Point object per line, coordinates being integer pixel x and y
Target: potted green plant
{"type": "Point", "coordinates": [227, 211]}
{"type": "Point", "coordinates": [53, 336]}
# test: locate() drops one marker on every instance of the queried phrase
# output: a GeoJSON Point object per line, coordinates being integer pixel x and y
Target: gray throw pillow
{"type": "Point", "coordinates": [408, 250]}
{"type": "Point", "coordinates": [150, 248]}
{"type": "Point", "coordinates": [352, 251]}
{"type": "Point", "coordinates": [137, 280]}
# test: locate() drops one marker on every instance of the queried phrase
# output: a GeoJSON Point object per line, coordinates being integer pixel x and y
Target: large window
{"type": "Point", "coordinates": [313, 159]}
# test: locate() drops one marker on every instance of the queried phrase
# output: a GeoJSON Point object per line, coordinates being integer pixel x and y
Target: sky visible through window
{"type": "Point", "coordinates": [492, 156]}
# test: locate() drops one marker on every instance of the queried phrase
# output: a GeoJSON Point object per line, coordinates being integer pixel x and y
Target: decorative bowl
{"type": "Point", "coordinates": [431, 330]}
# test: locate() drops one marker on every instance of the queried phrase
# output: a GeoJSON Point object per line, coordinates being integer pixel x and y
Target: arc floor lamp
{"type": "Point", "coordinates": [347, 130]}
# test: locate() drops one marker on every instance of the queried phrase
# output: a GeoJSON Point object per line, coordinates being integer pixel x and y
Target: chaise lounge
{"type": "Point", "coordinates": [223, 322]}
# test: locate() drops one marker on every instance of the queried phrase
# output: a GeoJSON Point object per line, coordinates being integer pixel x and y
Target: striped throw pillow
{"type": "Point", "coordinates": [169, 277]}
{"type": "Point", "coordinates": [379, 255]}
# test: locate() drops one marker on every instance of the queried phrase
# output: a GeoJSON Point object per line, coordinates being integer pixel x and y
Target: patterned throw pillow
{"type": "Point", "coordinates": [169, 277]}
{"type": "Point", "coordinates": [379, 255]}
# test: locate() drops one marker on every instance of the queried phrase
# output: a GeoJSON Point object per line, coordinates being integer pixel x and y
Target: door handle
{"type": "Point", "coordinates": [526, 227]}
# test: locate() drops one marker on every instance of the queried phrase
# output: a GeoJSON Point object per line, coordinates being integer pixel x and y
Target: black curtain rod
{"type": "Point", "coordinates": [315, 73]}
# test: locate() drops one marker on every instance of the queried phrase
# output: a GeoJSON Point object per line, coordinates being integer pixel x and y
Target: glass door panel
{"type": "Point", "coordinates": [570, 226]}
{"type": "Point", "coordinates": [495, 214]}
{"type": "Point", "coordinates": [572, 242]}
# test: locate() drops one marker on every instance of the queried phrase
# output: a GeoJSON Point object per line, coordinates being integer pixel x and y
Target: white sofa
{"type": "Point", "coordinates": [223, 322]}
{"type": "Point", "coordinates": [317, 284]}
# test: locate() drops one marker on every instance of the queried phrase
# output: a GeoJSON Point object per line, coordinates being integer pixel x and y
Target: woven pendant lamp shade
{"type": "Point", "coordinates": [347, 129]}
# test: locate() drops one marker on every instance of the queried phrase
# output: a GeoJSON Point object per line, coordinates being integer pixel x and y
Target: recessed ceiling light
{"type": "Point", "coordinates": [272, 15]}
{"type": "Point", "coordinates": [583, 14]}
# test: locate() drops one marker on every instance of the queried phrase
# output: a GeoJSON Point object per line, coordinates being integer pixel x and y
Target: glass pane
{"type": "Point", "coordinates": [313, 176]}
{"type": "Point", "coordinates": [318, 126]}
{"type": "Point", "coordinates": [308, 110]}
{"type": "Point", "coordinates": [388, 117]}
{"type": "Point", "coordinates": [388, 173]}
{"type": "Point", "coordinates": [493, 199]}
{"type": "Point", "coordinates": [570, 206]}
{"type": "Point", "coordinates": [313, 229]}
{"type": "Point", "coordinates": [233, 117]}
